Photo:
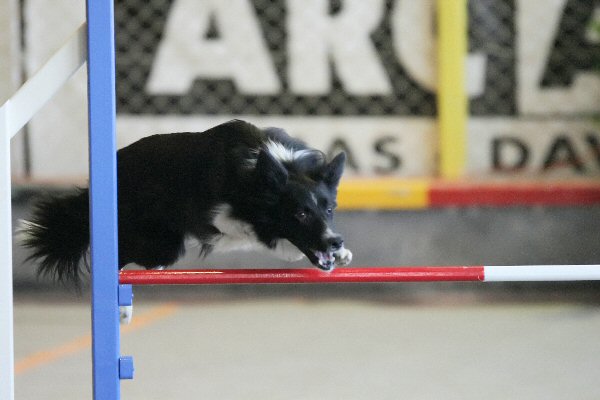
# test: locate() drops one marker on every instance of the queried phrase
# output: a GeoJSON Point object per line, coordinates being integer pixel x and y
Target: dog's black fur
{"type": "Point", "coordinates": [234, 184]}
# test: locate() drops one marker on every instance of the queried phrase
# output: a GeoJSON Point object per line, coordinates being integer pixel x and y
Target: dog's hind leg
{"type": "Point", "coordinates": [156, 250]}
{"type": "Point", "coordinates": [151, 249]}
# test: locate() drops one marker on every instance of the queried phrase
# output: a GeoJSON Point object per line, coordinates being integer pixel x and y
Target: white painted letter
{"type": "Point", "coordinates": [317, 40]}
{"type": "Point", "coordinates": [238, 53]}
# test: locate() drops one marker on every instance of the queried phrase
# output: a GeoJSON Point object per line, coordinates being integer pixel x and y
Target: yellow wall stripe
{"type": "Point", "coordinates": [403, 194]}
{"type": "Point", "coordinates": [384, 193]}
{"type": "Point", "coordinates": [452, 98]}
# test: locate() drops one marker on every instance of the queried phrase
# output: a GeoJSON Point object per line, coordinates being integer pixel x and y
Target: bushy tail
{"type": "Point", "coordinates": [58, 235]}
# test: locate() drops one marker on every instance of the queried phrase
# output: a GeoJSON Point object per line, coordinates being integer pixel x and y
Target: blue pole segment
{"type": "Point", "coordinates": [103, 200]}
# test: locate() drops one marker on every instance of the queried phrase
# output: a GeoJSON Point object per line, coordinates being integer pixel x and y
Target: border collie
{"type": "Point", "coordinates": [232, 187]}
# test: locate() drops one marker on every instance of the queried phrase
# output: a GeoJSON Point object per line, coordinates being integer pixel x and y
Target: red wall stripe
{"type": "Point", "coordinates": [476, 194]}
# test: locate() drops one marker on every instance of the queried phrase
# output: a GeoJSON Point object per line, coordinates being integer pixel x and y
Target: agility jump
{"type": "Point", "coordinates": [107, 295]}
{"type": "Point", "coordinates": [531, 273]}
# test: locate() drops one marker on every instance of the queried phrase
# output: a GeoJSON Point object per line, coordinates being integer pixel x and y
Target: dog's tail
{"type": "Point", "coordinates": [58, 235]}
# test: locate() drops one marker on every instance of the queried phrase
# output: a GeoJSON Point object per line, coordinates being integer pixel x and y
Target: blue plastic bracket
{"type": "Point", "coordinates": [125, 295]}
{"type": "Point", "coordinates": [126, 368]}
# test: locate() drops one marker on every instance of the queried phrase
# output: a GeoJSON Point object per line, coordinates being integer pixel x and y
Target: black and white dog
{"type": "Point", "coordinates": [232, 187]}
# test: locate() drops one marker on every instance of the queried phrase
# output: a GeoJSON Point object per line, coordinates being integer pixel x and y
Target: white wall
{"type": "Point", "coordinates": [553, 125]}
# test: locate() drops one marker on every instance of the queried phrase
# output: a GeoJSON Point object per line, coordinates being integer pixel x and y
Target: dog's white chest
{"type": "Point", "coordinates": [239, 235]}
{"type": "Point", "coordinates": [235, 234]}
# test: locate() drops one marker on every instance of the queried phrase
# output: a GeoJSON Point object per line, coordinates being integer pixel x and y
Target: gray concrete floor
{"type": "Point", "coordinates": [378, 341]}
{"type": "Point", "coordinates": [302, 349]}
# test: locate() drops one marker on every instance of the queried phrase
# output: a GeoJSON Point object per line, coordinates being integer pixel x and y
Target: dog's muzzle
{"type": "Point", "coordinates": [336, 254]}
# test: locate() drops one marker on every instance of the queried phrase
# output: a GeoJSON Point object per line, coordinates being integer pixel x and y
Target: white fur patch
{"type": "Point", "coordinates": [285, 154]}
{"type": "Point", "coordinates": [239, 235]}
{"type": "Point", "coordinates": [285, 250]}
{"type": "Point", "coordinates": [280, 152]}
{"type": "Point", "coordinates": [24, 227]}
{"type": "Point", "coordinates": [235, 234]}
{"type": "Point", "coordinates": [314, 199]}
{"type": "Point", "coordinates": [329, 234]}
{"type": "Point", "coordinates": [343, 256]}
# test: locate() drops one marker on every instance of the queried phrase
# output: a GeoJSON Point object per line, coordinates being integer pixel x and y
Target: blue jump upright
{"type": "Point", "coordinates": [107, 364]}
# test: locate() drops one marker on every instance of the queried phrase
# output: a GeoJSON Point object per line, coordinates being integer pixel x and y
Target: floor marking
{"type": "Point", "coordinates": [44, 357]}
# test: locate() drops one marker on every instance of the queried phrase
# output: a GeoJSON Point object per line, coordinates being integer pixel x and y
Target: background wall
{"type": "Point", "coordinates": [11, 67]}
{"type": "Point", "coordinates": [352, 75]}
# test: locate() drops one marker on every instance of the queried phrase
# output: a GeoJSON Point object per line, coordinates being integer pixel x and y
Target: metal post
{"type": "Point", "coordinates": [452, 99]}
{"type": "Point", "coordinates": [103, 200]}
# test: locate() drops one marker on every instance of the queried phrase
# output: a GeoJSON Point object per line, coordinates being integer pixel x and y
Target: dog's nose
{"type": "Point", "coordinates": [335, 243]}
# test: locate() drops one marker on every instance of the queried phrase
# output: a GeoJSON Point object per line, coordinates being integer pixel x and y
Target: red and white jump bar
{"type": "Point", "coordinates": [514, 273]}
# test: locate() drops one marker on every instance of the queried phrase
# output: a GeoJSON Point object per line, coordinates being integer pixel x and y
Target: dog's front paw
{"type": "Point", "coordinates": [125, 314]}
{"type": "Point", "coordinates": [343, 256]}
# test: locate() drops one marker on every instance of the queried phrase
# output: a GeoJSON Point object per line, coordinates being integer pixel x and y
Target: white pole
{"type": "Point", "coordinates": [40, 88]}
{"type": "Point", "coordinates": [15, 113]}
{"type": "Point", "coordinates": [539, 273]}
{"type": "Point", "coordinates": [7, 390]}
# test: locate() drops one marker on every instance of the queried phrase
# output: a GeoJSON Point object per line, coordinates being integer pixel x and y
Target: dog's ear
{"type": "Point", "coordinates": [270, 172]}
{"type": "Point", "coordinates": [334, 170]}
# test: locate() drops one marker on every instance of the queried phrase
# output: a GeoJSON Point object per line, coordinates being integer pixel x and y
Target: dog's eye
{"type": "Point", "coordinates": [301, 216]}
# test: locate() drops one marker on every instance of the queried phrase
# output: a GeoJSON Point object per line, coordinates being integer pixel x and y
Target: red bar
{"type": "Point", "coordinates": [305, 275]}
{"type": "Point", "coordinates": [515, 194]}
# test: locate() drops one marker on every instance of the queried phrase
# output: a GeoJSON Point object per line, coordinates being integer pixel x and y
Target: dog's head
{"type": "Point", "coordinates": [302, 191]}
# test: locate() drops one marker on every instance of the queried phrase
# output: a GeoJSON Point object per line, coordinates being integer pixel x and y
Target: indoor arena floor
{"type": "Point", "coordinates": [308, 348]}
{"type": "Point", "coordinates": [369, 342]}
